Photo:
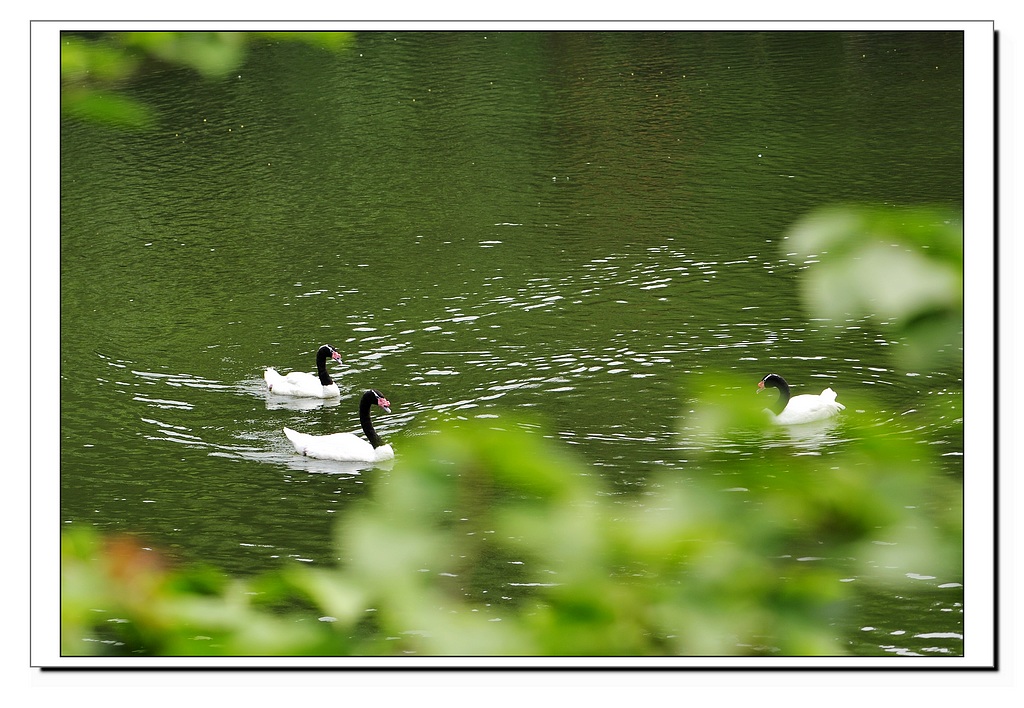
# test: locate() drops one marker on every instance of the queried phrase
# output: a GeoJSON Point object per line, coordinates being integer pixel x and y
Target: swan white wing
{"type": "Point", "coordinates": [301, 378]}
{"type": "Point", "coordinates": [299, 383]}
{"type": "Point", "coordinates": [829, 396]}
{"type": "Point", "coordinates": [807, 408]}
{"type": "Point", "coordinates": [344, 447]}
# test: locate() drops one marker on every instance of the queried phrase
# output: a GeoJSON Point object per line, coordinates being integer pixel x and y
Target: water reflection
{"type": "Point", "coordinates": [283, 456]}
{"type": "Point", "coordinates": [293, 403]}
{"type": "Point", "coordinates": [809, 438]}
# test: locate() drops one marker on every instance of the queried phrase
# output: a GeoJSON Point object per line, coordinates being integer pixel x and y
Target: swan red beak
{"type": "Point", "coordinates": [336, 356]}
{"type": "Point", "coordinates": [385, 404]}
{"type": "Point", "coordinates": [760, 386]}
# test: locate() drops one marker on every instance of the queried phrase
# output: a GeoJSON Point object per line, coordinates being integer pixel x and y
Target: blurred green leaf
{"type": "Point", "coordinates": [96, 67]}
{"type": "Point", "coordinates": [211, 54]}
{"type": "Point", "coordinates": [903, 266]}
{"type": "Point", "coordinates": [108, 108]}
{"type": "Point", "coordinates": [98, 62]}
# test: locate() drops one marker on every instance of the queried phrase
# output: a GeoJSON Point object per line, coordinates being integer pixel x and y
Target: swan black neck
{"type": "Point", "coordinates": [776, 381]}
{"type": "Point", "coordinates": [370, 398]}
{"type": "Point", "coordinates": [322, 355]}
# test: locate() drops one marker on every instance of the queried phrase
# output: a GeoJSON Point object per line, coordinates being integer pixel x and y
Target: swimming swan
{"type": "Point", "coordinates": [347, 447]}
{"type": "Point", "coordinates": [805, 408]}
{"type": "Point", "coordinates": [301, 384]}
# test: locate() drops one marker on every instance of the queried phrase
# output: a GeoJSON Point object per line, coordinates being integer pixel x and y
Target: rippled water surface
{"type": "Point", "coordinates": [570, 225]}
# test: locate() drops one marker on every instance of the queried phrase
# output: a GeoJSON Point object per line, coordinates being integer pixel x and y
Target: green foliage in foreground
{"type": "Point", "coordinates": [763, 556]}
{"type": "Point", "coordinates": [714, 566]}
{"type": "Point", "coordinates": [688, 567]}
{"type": "Point", "coordinates": [95, 68]}
{"type": "Point", "coordinates": [904, 265]}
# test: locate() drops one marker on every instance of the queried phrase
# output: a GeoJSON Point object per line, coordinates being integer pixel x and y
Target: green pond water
{"type": "Point", "coordinates": [564, 224]}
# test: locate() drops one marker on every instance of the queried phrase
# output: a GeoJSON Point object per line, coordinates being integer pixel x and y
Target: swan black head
{"type": "Point", "coordinates": [322, 354]}
{"type": "Point", "coordinates": [325, 351]}
{"type": "Point", "coordinates": [772, 381]}
{"type": "Point", "coordinates": [373, 397]}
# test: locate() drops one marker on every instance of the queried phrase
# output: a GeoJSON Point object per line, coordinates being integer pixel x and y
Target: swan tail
{"type": "Point", "coordinates": [828, 396]}
{"type": "Point", "coordinates": [296, 439]}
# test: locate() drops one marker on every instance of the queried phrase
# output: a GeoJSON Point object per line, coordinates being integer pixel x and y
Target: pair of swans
{"type": "Point", "coordinates": [343, 447]}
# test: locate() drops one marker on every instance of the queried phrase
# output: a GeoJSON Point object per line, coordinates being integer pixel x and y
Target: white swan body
{"type": "Point", "coordinates": [305, 385]}
{"type": "Point", "coordinates": [343, 447]}
{"type": "Point", "coordinates": [299, 384]}
{"type": "Point", "coordinates": [347, 447]}
{"type": "Point", "coordinates": [805, 408]}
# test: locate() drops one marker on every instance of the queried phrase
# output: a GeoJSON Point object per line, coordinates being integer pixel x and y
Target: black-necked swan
{"type": "Point", "coordinates": [301, 384]}
{"type": "Point", "coordinates": [347, 447]}
{"type": "Point", "coordinates": [805, 408]}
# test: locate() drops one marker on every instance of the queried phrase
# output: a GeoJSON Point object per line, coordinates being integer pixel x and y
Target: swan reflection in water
{"type": "Point", "coordinates": [808, 438]}
{"type": "Point", "coordinates": [275, 403]}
